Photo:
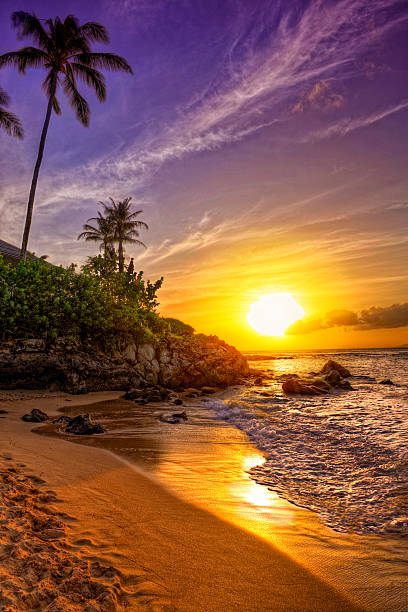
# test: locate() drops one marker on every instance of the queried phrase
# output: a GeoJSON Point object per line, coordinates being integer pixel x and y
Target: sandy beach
{"type": "Point", "coordinates": [108, 537]}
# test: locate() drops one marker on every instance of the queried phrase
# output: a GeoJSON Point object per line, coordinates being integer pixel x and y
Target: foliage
{"type": "Point", "coordinates": [9, 122]}
{"type": "Point", "coordinates": [64, 50]}
{"type": "Point", "coordinates": [120, 225]}
{"type": "Point", "coordinates": [178, 328]}
{"type": "Point", "coordinates": [98, 305]}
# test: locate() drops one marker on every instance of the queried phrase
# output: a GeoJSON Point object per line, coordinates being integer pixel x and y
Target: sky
{"type": "Point", "coordinates": [266, 143]}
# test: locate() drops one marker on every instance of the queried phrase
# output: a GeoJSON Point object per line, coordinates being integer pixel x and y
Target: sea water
{"type": "Point", "coordinates": [343, 454]}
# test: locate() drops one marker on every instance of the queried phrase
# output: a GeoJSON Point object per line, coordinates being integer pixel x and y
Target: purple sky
{"type": "Point", "coordinates": [252, 132]}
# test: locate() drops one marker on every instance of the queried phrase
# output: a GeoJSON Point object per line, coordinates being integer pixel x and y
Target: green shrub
{"type": "Point", "coordinates": [108, 308]}
{"type": "Point", "coordinates": [178, 328]}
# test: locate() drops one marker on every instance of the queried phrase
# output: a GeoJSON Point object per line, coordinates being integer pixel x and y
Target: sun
{"type": "Point", "coordinates": [273, 313]}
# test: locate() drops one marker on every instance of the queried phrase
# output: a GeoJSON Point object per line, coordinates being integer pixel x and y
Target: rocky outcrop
{"type": "Point", "coordinates": [334, 366]}
{"type": "Point", "coordinates": [332, 375]}
{"type": "Point", "coordinates": [193, 361]}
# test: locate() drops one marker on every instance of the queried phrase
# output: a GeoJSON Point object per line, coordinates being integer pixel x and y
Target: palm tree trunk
{"type": "Point", "coordinates": [30, 205]}
{"type": "Point", "coordinates": [121, 258]}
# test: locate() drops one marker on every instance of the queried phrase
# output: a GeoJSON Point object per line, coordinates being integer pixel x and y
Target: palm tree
{"type": "Point", "coordinates": [125, 225]}
{"type": "Point", "coordinates": [9, 122]}
{"type": "Point", "coordinates": [63, 49]}
{"type": "Point", "coordinates": [103, 232]}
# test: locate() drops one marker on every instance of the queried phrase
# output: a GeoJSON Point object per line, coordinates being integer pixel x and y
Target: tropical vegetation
{"type": "Point", "coordinates": [63, 49]}
{"type": "Point", "coordinates": [97, 304]}
{"type": "Point", "coordinates": [119, 225]}
{"type": "Point", "coordinates": [8, 121]}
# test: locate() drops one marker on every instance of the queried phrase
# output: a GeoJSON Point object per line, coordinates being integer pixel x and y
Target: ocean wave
{"type": "Point", "coordinates": [344, 456]}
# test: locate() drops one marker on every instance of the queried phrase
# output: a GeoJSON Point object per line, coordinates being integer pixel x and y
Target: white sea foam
{"type": "Point", "coordinates": [343, 455]}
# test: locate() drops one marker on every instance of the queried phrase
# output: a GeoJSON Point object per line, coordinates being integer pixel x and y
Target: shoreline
{"type": "Point", "coordinates": [184, 557]}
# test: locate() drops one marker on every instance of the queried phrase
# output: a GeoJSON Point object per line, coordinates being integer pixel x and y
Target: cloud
{"type": "Point", "coordinates": [382, 318]}
{"type": "Point", "coordinates": [376, 317]}
{"type": "Point", "coordinates": [350, 124]}
{"type": "Point", "coordinates": [272, 56]}
{"type": "Point", "coordinates": [320, 97]}
{"type": "Point", "coordinates": [267, 67]}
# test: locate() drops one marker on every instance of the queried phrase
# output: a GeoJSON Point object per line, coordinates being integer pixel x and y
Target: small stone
{"type": "Point", "coordinates": [386, 381]}
{"type": "Point", "coordinates": [178, 402]}
{"type": "Point", "coordinates": [35, 416]}
{"type": "Point", "coordinates": [83, 425]}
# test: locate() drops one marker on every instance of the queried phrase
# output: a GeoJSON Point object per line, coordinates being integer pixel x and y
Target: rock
{"type": "Point", "coordinates": [35, 416]}
{"type": "Point", "coordinates": [333, 377]}
{"type": "Point", "coordinates": [32, 345]}
{"type": "Point", "coordinates": [178, 402]}
{"type": "Point", "coordinates": [176, 363]}
{"type": "Point", "coordinates": [61, 419]}
{"type": "Point", "coordinates": [147, 352]}
{"type": "Point", "coordinates": [386, 381]}
{"type": "Point", "coordinates": [334, 365]}
{"type": "Point", "coordinates": [208, 390]}
{"type": "Point", "coordinates": [302, 387]}
{"type": "Point", "coordinates": [321, 384]}
{"type": "Point", "coordinates": [130, 353]}
{"type": "Point", "coordinates": [191, 392]}
{"type": "Point", "coordinates": [345, 385]}
{"type": "Point", "coordinates": [173, 418]}
{"type": "Point", "coordinates": [83, 425]}
{"type": "Point", "coordinates": [133, 394]}
{"type": "Point", "coordinates": [3, 411]}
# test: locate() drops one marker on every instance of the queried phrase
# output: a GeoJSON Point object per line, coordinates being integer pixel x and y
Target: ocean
{"type": "Point", "coordinates": [343, 455]}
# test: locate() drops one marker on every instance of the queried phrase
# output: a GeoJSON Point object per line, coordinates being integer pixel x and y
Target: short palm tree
{"type": "Point", "coordinates": [9, 122]}
{"type": "Point", "coordinates": [63, 49]}
{"type": "Point", "coordinates": [126, 226]}
{"type": "Point", "coordinates": [101, 232]}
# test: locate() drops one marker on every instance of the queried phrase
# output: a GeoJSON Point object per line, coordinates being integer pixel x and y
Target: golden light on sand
{"type": "Point", "coordinates": [273, 313]}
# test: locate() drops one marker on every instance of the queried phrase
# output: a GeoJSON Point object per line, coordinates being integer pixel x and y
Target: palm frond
{"type": "Point", "coordinates": [11, 124]}
{"type": "Point", "coordinates": [77, 102]}
{"type": "Point", "coordinates": [93, 78]}
{"type": "Point", "coordinates": [26, 57]}
{"type": "Point", "coordinates": [109, 61]}
{"type": "Point", "coordinates": [56, 106]}
{"type": "Point", "coordinates": [94, 32]}
{"type": "Point", "coordinates": [4, 98]}
{"type": "Point", "coordinates": [28, 24]}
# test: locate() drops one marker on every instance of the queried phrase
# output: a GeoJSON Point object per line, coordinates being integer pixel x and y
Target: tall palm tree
{"type": "Point", "coordinates": [102, 232]}
{"type": "Point", "coordinates": [9, 122]}
{"type": "Point", "coordinates": [63, 49]}
{"type": "Point", "coordinates": [125, 225]}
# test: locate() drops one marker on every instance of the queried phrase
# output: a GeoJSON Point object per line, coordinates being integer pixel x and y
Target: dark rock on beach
{"type": "Point", "coordinates": [35, 416]}
{"type": "Point", "coordinates": [173, 418]}
{"type": "Point", "coordinates": [83, 425]}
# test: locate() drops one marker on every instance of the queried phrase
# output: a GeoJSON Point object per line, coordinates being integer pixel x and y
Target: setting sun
{"type": "Point", "coordinates": [273, 313]}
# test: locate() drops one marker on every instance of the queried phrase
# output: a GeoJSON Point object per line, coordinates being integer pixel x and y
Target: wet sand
{"type": "Point", "coordinates": [164, 553]}
{"type": "Point", "coordinates": [205, 462]}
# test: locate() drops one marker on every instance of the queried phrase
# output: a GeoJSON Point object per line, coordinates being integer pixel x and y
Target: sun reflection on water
{"type": "Point", "coordinates": [260, 498]}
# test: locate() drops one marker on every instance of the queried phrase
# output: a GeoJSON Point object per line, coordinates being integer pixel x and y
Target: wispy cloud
{"type": "Point", "coordinates": [264, 72]}
{"type": "Point", "coordinates": [349, 124]}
